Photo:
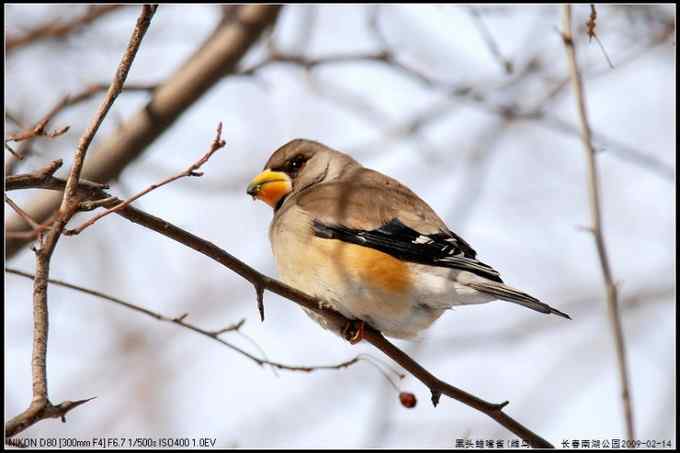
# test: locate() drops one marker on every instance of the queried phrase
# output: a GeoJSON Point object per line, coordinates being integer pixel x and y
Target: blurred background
{"type": "Point", "coordinates": [472, 110]}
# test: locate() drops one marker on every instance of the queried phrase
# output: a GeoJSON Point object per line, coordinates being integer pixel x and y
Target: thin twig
{"type": "Point", "coordinates": [40, 128]}
{"type": "Point", "coordinates": [57, 29]}
{"type": "Point", "coordinates": [385, 56]}
{"type": "Point", "coordinates": [41, 407]}
{"type": "Point", "coordinates": [632, 56]}
{"type": "Point", "coordinates": [615, 147]}
{"type": "Point", "coordinates": [13, 153]}
{"type": "Point", "coordinates": [69, 202]}
{"type": "Point", "coordinates": [35, 231]}
{"type": "Point", "coordinates": [591, 24]}
{"type": "Point", "coordinates": [191, 171]}
{"type": "Point", "coordinates": [26, 134]}
{"type": "Point", "coordinates": [21, 213]}
{"type": "Point", "coordinates": [309, 63]}
{"type": "Point", "coordinates": [489, 40]}
{"type": "Point", "coordinates": [594, 191]}
{"type": "Point", "coordinates": [43, 179]}
{"type": "Point", "coordinates": [460, 91]}
{"type": "Point", "coordinates": [464, 92]}
{"type": "Point", "coordinates": [22, 151]}
{"type": "Point", "coordinates": [181, 321]}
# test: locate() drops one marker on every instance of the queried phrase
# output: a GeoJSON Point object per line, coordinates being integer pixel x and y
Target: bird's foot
{"type": "Point", "coordinates": [353, 331]}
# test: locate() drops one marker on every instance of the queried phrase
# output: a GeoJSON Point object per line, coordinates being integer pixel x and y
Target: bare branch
{"type": "Point", "coordinates": [332, 318]}
{"type": "Point", "coordinates": [40, 129]}
{"type": "Point", "coordinates": [374, 26]}
{"type": "Point", "coordinates": [617, 148]}
{"type": "Point", "coordinates": [230, 328]}
{"type": "Point", "coordinates": [666, 33]}
{"type": "Point", "coordinates": [94, 204]}
{"type": "Point", "coordinates": [36, 229]}
{"type": "Point", "coordinates": [181, 321]}
{"type": "Point", "coordinates": [22, 213]}
{"type": "Point", "coordinates": [41, 407]}
{"type": "Point", "coordinates": [43, 179]}
{"type": "Point", "coordinates": [386, 56]}
{"type": "Point", "coordinates": [207, 66]}
{"type": "Point", "coordinates": [37, 412]}
{"type": "Point", "coordinates": [594, 190]}
{"type": "Point", "coordinates": [36, 178]}
{"type": "Point", "coordinates": [69, 202]}
{"type": "Point", "coordinates": [191, 171]}
{"type": "Point", "coordinates": [13, 153]}
{"type": "Point", "coordinates": [591, 24]}
{"type": "Point", "coordinates": [22, 151]}
{"type": "Point", "coordinates": [57, 29]}
{"type": "Point", "coordinates": [310, 63]}
{"type": "Point", "coordinates": [490, 42]}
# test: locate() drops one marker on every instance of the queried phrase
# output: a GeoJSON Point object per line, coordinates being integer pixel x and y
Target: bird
{"type": "Point", "coordinates": [367, 246]}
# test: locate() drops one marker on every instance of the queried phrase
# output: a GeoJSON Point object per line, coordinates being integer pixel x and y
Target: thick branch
{"type": "Point", "coordinates": [594, 191]}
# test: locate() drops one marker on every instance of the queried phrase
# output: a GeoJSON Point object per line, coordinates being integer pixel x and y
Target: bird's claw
{"type": "Point", "coordinates": [353, 331]}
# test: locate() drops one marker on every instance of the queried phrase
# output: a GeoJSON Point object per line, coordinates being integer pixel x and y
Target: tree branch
{"type": "Point", "coordinates": [490, 42]}
{"type": "Point", "coordinates": [594, 189]}
{"type": "Point", "coordinates": [217, 144]}
{"type": "Point", "coordinates": [310, 63]}
{"type": "Point", "coordinates": [386, 56]}
{"type": "Point", "coordinates": [41, 407]}
{"type": "Point", "coordinates": [591, 25]}
{"type": "Point", "coordinates": [40, 128]}
{"type": "Point", "coordinates": [333, 319]}
{"type": "Point", "coordinates": [43, 179]}
{"type": "Point", "coordinates": [37, 412]}
{"type": "Point", "coordinates": [222, 51]}
{"type": "Point", "coordinates": [181, 321]}
{"type": "Point", "coordinates": [16, 155]}
{"type": "Point", "coordinates": [20, 212]}
{"type": "Point", "coordinates": [56, 29]}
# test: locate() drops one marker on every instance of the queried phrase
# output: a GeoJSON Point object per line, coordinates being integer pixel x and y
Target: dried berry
{"type": "Point", "coordinates": [408, 399]}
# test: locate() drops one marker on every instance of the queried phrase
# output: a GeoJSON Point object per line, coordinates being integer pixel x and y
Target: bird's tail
{"type": "Point", "coordinates": [510, 294]}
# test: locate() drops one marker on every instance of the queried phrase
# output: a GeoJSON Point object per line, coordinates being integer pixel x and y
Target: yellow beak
{"type": "Point", "coordinates": [270, 186]}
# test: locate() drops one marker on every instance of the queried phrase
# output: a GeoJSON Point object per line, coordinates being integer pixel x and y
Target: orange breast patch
{"type": "Point", "coordinates": [371, 267]}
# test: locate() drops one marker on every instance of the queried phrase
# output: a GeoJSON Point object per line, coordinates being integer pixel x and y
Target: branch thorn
{"type": "Point", "coordinates": [436, 394]}
{"type": "Point", "coordinates": [259, 291]}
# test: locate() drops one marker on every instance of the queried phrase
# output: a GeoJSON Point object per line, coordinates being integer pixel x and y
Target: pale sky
{"type": "Point", "coordinates": [516, 191]}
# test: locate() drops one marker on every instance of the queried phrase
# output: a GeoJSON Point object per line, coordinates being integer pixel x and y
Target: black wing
{"type": "Point", "coordinates": [444, 249]}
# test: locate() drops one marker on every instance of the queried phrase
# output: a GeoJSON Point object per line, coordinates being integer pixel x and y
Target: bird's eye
{"type": "Point", "coordinates": [296, 163]}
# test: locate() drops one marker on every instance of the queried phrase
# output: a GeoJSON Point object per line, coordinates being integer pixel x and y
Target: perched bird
{"type": "Point", "coordinates": [368, 246]}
